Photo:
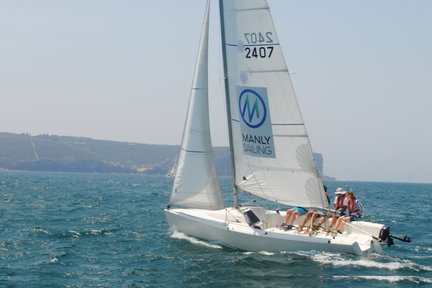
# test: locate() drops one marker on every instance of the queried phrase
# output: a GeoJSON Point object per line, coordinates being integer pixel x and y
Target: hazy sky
{"type": "Point", "coordinates": [122, 70]}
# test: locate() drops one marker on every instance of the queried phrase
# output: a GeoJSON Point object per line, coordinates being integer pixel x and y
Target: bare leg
{"type": "Point", "coordinates": [287, 216]}
{"type": "Point", "coordinates": [294, 214]}
{"type": "Point", "coordinates": [322, 221]}
{"type": "Point", "coordinates": [340, 221]}
{"type": "Point", "coordinates": [334, 219]}
{"type": "Point", "coordinates": [314, 217]}
{"type": "Point", "coordinates": [308, 215]}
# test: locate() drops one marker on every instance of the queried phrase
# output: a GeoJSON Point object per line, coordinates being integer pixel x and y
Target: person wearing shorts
{"type": "Point", "coordinates": [294, 212]}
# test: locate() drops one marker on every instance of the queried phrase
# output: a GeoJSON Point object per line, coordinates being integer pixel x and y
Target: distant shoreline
{"type": "Point", "coordinates": [79, 154]}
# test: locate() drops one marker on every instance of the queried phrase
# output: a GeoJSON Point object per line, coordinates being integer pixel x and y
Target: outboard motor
{"type": "Point", "coordinates": [385, 235]}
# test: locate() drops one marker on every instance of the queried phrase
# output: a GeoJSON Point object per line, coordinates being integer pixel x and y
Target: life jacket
{"type": "Point", "coordinates": [339, 201]}
{"type": "Point", "coordinates": [359, 209]}
{"type": "Point", "coordinates": [351, 206]}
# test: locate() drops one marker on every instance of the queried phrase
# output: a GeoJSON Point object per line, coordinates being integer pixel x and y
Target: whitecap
{"type": "Point", "coordinates": [425, 268]}
{"type": "Point", "coordinates": [390, 264]}
{"type": "Point", "coordinates": [391, 279]}
{"type": "Point", "coordinates": [75, 234]}
{"type": "Point", "coordinates": [182, 236]}
{"type": "Point", "coordinates": [371, 264]}
{"type": "Point", "coordinates": [266, 253]}
{"type": "Point", "coordinates": [311, 254]}
{"type": "Point", "coordinates": [36, 230]}
{"type": "Point", "coordinates": [95, 231]}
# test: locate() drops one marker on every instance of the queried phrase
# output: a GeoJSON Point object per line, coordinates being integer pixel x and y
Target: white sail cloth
{"type": "Point", "coordinates": [272, 154]}
{"type": "Point", "coordinates": [196, 184]}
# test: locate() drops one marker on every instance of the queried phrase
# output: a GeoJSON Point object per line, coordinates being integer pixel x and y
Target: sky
{"type": "Point", "coordinates": [122, 70]}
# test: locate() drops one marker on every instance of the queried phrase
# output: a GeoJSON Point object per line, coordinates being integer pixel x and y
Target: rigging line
{"type": "Point", "coordinates": [360, 230]}
{"type": "Point", "coordinates": [257, 181]}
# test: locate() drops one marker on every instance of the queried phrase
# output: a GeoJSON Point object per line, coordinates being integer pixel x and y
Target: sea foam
{"type": "Point", "coordinates": [390, 279]}
{"type": "Point", "coordinates": [182, 236]}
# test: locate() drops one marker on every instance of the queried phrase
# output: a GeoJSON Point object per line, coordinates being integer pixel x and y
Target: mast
{"type": "Point", "coordinates": [228, 106]}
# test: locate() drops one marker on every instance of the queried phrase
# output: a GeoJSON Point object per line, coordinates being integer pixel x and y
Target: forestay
{"type": "Point", "coordinates": [272, 155]}
{"type": "Point", "coordinates": [195, 184]}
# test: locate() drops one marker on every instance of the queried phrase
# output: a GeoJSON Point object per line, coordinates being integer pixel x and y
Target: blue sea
{"type": "Point", "coordinates": [109, 230]}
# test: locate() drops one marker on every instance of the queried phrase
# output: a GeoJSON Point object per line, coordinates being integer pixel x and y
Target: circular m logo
{"type": "Point", "coordinates": [252, 108]}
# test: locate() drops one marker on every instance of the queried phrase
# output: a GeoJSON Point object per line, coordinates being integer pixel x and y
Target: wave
{"type": "Point", "coordinates": [36, 230]}
{"type": "Point", "coordinates": [74, 234]}
{"type": "Point", "coordinates": [425, 252]}
{"type": "Point", "coordinates": [266, 253]}
{"type": "Point", "coordinates": [68, 233]}
{"type": "Point", "coordinates": [391, 279]}
{"type": "Point", "coordinates": [53, 260]}
{"type": "Point", "coordinates": [182, 236]}
{"type": "Point", "coordinates": [78, 234]}
{"type": "Point", "coordinates": [386, 263]}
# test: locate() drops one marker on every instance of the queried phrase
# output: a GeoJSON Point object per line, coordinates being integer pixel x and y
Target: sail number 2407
{"type": "Point", "coordinates": [258, 44]}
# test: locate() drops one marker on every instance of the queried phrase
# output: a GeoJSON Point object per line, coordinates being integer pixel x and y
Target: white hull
{"type": "Point", "coordinates": [230, 227]}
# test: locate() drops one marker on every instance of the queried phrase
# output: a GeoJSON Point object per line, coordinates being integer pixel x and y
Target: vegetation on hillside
{"type": "Point", "coordinates": [78, 154]}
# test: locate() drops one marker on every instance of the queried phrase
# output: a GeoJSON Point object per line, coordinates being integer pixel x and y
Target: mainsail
{"type": "Point", "coordinates": [270, 148]}
{"type": "Point", "coordinates": [196, 184]}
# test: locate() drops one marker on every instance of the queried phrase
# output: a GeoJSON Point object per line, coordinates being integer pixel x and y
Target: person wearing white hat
{"type": "Point", "coordinates": [339, 201]}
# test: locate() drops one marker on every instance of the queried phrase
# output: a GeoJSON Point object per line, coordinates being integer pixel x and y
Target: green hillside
{"type": "Point", "coordinates": [78, 154]}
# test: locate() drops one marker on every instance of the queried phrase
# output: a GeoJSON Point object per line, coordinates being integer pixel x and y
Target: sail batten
{"type": "Point", "coordinates": [195, 152]}
{"type": "Point", "coordinates": [250, 45]}
{"type": "Point", "coordinates": [270, 71]}
{"type": "Point", "coordinates": [293, 136]}
{"type": "Point", "coordinates": [253, 9]}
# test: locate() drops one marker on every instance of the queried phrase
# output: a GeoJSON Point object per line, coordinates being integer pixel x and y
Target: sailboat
{"type": "Point", "coordinates": [172, 171]}
{"type": "Point", "coordinates": [271, 156]}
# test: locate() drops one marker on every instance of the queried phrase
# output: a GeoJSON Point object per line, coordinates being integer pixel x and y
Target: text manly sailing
{"type": "Point", "coordinates": [257, 145]}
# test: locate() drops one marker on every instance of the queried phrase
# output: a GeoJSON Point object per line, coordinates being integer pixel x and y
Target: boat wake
{"type": "Point", "coordinates": [182, 236]}
{"type": "Point", "coordinates": [375, 262]}
{"type": "Point", "coordinates": [390, 279]}
{"type": "Point", "coordinates": [381, 262]}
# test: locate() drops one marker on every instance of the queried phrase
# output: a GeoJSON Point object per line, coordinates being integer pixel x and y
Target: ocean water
{"type": "Point", "coordinates": [109, 230]}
